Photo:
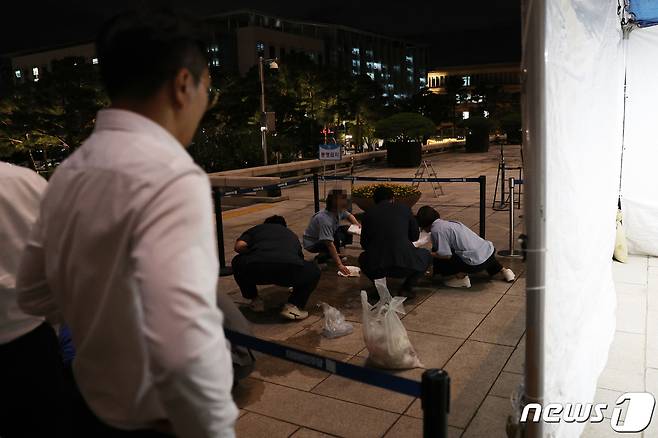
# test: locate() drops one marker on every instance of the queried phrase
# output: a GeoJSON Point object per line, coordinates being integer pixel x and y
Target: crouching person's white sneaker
{"type": "Point", "coordinates": [457, 282]}
{"type": "Point", "coordinates": [508, 275]}
{"type": "Point", "coordinates": [290, 311]}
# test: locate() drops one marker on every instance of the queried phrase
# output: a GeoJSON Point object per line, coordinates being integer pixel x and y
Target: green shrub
{"type": "Point", "coordinates": [399, 190]}
{"type": "Point", "coordinates": [405, 127]}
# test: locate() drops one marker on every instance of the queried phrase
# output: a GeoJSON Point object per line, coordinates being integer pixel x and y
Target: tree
{"type": "Point", "coordinates": [434, 106]}
{"type": "Point", "coordinates": [53, 115]}
{"type": "Point", "coordinates": [405, 127]}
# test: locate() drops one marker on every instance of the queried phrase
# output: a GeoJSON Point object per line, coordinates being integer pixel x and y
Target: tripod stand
{"type": "Point", "coordinates": [501, 178]}
{"type": "Point", "coordinates": [426, 166]}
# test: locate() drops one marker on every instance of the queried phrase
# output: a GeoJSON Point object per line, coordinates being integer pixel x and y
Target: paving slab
{"type": "Point", "coordinates": [407, 427]}
{"type": "Point", "coordinates": [505, 324]}
{"type": "Point", "coordinates": [251, 425]}
{"type": "Point", "coordinates": [490, 420]}
{"type": "Point", "coordinates": [473, 371]}
{"type": "Point", "coordinates": [316, 412]}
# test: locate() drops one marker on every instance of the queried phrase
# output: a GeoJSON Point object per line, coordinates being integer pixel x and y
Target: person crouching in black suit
{"type": "Point", "coordinates": [271, 254]}
{"type": "Point", "coordinates": [387, 234]}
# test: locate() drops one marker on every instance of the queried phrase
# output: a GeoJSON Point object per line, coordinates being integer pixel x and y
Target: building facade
{"type": "Point", "coordinates": [30, 66]}
{"type": "Point", "coordinates": [240, 37]}
{"type": "Point", "coordinates": [399, 66]}
{"type": "Point", "coordinates": [475, 84]}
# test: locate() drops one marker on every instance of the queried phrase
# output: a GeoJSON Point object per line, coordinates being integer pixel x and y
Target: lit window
{"type": "Point", "coordinates": [466, 81]}
{"type": "Point", "coordinates": [371, 75]}
{"type": "Point", "coordinates": [94, 61]}
{"type": "Point", "coordinates": [35, 71]}
{"type": "Point", "coordinates": [410, 59]}
{"type": "Point", "coordinates": [465, 115]}
{"type": "Point", "coordinates": [18, 74]}
{"type": "Point", "coordinates": [215, 62]}
{"type": "Point", "coordinates": [486, 113]}
{"type": "Point", "coordinates": [355, 51]}
{"type": "Point", "coordinates": [260, 47]}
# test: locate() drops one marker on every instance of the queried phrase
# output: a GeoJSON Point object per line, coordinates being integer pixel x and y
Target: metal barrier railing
{"type": "Point", "coordinates": [433, 389]}
{"type": "Point", "coordinates": [511, 252]}
{"type": "Point", "coordinates": [217, 196]}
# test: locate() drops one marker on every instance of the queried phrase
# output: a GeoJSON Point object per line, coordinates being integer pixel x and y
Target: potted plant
{"type": "Point", "coordinates": [405, 194]}
{"type": "Point", "coordinates": [403, 134]}
{"type": "Point", "coordinates": [477, 136]}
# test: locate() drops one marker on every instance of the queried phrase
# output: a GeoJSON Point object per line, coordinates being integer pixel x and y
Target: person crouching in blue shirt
{"type": "Point", "coordinates": [325, 236]}
{"type": "Point", "coordinates": [458, 251]}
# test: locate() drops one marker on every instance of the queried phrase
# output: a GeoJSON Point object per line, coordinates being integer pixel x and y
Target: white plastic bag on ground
{"type": "Point", "coordinates": [386, 338]}
{"type": "Point", "coordinates": [334, 322]}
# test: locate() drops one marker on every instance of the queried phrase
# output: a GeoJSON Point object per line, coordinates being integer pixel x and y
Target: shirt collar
{"type": "Point", "coordinates": [113, 119]}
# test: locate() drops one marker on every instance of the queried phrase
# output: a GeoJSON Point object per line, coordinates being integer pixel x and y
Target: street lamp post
{"type": "Point", "coordinates": [263, 126]}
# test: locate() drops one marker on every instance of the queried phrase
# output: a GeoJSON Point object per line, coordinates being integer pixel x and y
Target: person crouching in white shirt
{"type": "Point", "coordinates": [125, 252]}
{"type": "Point", "coordinates": [458, 251]}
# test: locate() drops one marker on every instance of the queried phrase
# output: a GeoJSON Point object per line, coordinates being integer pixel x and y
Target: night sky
{"type": "Point", "coordinates": [459, 32]}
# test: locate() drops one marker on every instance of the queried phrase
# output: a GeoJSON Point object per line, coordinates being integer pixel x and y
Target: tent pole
{"type": "Point", "coordinates": [534, 132]}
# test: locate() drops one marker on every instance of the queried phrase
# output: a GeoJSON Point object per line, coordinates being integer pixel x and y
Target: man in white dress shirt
{"type": "Point", "coordinates": [30, 363]}
{"type": "Point", "coordinates": [125, 251]}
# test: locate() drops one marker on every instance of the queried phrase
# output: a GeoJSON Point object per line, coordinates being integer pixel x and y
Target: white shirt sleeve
{"type": "Point", "coordinates": [34, 295]}
{"type": "Point", "coordinates": [441, 243]}
{"type": "Point", "coordinates": [176, 266]}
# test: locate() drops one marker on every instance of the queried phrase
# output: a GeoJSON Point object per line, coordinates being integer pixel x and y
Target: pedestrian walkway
{"type": "Point", "coordinates": [633, 359]}
{"type": "Point", "coordinates": [476, 334]}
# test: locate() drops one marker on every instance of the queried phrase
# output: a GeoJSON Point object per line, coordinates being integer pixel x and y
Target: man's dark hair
{"type": "Point", "coordinates": [139, 50]}
{"type": "Point", "coordinates": [426, 216]}
{"type": "Point", "coordinates": [382, 193]}
{"type": "Point", "coordinates": [276, 219]}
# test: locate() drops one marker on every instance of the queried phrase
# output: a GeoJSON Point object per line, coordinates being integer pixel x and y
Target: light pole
{"type": "Point", "coordinates": [263, 125]}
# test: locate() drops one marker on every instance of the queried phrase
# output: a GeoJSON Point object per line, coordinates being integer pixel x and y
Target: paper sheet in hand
{"type": "Point", "coordinates": [355, 271]}
{"type": "Point", "coordinates": [424, 239]}
{"type": "Point", "coordinates": [354, 229]}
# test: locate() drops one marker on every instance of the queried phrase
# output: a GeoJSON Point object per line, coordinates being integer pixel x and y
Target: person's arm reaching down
{"type": "Point", "coordinates": [352, 219]}
{"type": "Point", "coordinates": [176, 268]}
{"type": "Point", "coordinates": [336, 257]}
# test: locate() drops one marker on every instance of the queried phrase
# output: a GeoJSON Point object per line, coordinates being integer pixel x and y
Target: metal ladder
{"type": "Point", "coordinates": [426, 166]}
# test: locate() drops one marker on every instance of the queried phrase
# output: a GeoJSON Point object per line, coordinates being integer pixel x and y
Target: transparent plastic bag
{"type": "Point", "coordinates": [385, 337]}
{"type": "Point", "coordinates": [335, 325]}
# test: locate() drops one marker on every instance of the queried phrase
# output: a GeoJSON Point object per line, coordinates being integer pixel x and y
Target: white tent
{"type": "Point", "coordinates": [576, 62]}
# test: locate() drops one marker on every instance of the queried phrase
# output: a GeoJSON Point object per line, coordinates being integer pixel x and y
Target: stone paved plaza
{"type": "Point", "coordinates": [476, 335]}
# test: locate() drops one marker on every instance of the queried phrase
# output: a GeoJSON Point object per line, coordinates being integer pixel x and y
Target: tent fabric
{"type": "Point", "coordinates": [584, 79]}
{"type": "Point", "coordinates": [638, 189]}
{"type": "Point", "coordinates": [643, 12]}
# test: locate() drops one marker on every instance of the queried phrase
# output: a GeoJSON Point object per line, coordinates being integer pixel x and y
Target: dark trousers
{"type": "Point", "coordinates": [86, 424]}
{"type": "Point", "coordinates": [302, 278]}
{"type": "Point", "coordinates": [341, 239]}
{"type": "Point", "coordinates": [410, 275]}
{"type": "Point", "coordinates": [32, 392]}
{"type": "Point", "coordinates": [456, 265]}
